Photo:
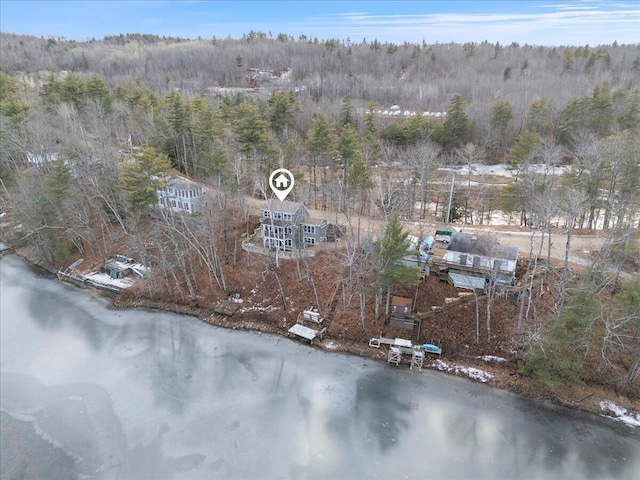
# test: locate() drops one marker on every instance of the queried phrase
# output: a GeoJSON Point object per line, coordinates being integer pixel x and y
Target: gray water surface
{"type": "Point", "coordinates": [92, 392]}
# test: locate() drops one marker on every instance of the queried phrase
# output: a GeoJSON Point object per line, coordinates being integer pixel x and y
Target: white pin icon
{"type": "Point", "coordinates": [281, 182]}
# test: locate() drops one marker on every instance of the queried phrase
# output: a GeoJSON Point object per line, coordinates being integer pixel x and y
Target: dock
{"type": "Point", "coordinates": [400, 347]}
{"type": "Point", "coordinates": [309, 325]}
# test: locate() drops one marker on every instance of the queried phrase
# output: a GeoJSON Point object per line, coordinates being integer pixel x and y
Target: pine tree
{"type": "Point", "coordinates": [282, 109]}
{"type": "Point", "coordinates": [346, 113]}
{"type": "Point", "coordinates": [456, 130]}
{"type": "Point", "coordinates": [96, 88]}
{"type": "Point", "coordinates": [524, 148]}
{"type": "Point", "coordinates": [11, 106]}
{"type": "Point", "coordinates": [321, 148]}
{"type": "Point", "coordinates": [252, 133]}
{"type": "Point", "coordinates": [387, 260]}
{"type": "Point", "coordinates": [141, 177]}
{"type": "Point", "coordinates": [539, 119]}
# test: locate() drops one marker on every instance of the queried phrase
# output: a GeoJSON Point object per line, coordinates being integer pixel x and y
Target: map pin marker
{"type": "Point", "coordinates": [281, 182]}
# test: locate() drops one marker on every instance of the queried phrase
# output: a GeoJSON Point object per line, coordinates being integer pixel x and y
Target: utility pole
{"type": "Point", "coordinates": [450, 198]}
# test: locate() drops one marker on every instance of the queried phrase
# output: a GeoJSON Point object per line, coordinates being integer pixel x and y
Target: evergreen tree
{"type": "Point", "coordinates": [252, 133]}
{"type": "Point", "coordinates": [58, 181]}
{"type": "Point", "coordinates": [387, 260]}
{"type": "Point", "coordinates": [141, 177]}
{"type": "Point", "coordinates": [456, 130]}
{"type": "Point", "coordinates": [51, 92]}
{"type": "Point", "coordinates": [501, 115]}
{"type": "Point", "coordinates": [282, 109]}
{"type": "Point", "coordinates": [567, 60]}
{"type": "Point", "coordinates": [72, 90]}
{"type": "Point", "coordinates": [346, 112]}
{"type": "Point", "coordinates": [539, 119]}
{"type": "Point", "coordinates": [11, 106]}
{"type": "Point", "coordinates": [371, 119]}
{"type": "Point", "coordinates": [524, 148]}
{"type": "Point", "coordinates": [96, 88]}
{"type": "Point", "coordinates": [321, 148]}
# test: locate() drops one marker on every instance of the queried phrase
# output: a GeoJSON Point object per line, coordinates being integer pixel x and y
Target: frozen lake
{"type": "Point", "coordinates": [92, 392]}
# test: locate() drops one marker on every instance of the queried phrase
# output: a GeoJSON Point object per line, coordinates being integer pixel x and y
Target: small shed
{"type": "Point", "coordinates": [115, 269]}
{"type": "Point", "coordinates": [402, 316]}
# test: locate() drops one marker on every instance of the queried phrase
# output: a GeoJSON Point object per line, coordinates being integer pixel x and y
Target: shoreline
{"type": "Point", "coordinates": [501, 375]}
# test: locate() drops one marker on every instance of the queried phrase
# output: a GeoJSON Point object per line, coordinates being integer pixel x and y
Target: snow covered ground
{"type": "Point", "coordinates": [502, 170]}
{"type": "Point", "coordinates": [105, 280]}
{"type": "Point", "coordinates": [619, 413]}
{"type": "Point", "coordinates": [471, 372]}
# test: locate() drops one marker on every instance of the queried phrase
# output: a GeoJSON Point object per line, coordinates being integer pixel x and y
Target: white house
{"type": "Point", "coordinates": [181, 195]}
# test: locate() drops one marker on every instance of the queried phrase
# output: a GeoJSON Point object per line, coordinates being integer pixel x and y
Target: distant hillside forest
{"type": "Point", "coordinates": [361, 121]}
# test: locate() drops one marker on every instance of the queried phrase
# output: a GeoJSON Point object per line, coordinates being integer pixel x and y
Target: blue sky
{"type": "Point", "coordinates": [539, 22]}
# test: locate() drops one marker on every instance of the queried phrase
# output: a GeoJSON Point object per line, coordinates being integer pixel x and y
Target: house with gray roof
{"type": "Point", "coordinates": [181, 195]}
{"type": "Point", "coordinates": [473, 260]}
{"type": "Point", "coordinates": [286, 225]}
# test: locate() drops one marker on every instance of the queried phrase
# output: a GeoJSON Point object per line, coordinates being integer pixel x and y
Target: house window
{"type": "Point", "coordinates": [173, 203]}
{"type": "Point", "coordinates": [463, 259]}
{"type": "Point", "coordinates": [266, 213]}
{"type": "Point", "coordinates": [288, 231]}
{"type": "Point", "coordinates": [277, 215]}
{"type": "Point", "coordinates": [309, 229]}
{"type": "Point", "coordinates": [310, 240]}
{"type": "Point", "coordinates": [288, 242]}
{"type": "Point", "coordinates": [287, 216]}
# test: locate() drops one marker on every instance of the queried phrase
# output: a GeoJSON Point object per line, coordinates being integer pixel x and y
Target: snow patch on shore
{"type": "Point", "coordinates": [491, 358]}
{"type": "Point", "coordinates": [621, 414]}
{"type": "Point", "coordinates": [471, 372]}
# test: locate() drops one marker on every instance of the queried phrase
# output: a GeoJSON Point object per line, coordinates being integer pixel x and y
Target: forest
{"type": "Point", "coordinates": [372, 130]}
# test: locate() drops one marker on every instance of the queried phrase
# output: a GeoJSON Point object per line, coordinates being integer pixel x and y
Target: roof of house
{"type": "Point", "coordinates": [183, 184]}
{"type": "Point", "coordinates": [313, 221]}
{"type": "Point", "coordinates": [282, 206]}
{"type": "Point", "coordinates": [484, 245]}
{"type": "Point", "coordinates": [117, 266]}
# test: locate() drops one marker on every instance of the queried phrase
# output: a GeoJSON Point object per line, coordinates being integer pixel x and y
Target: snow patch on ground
{"type": "Point", "coordinates": [471, 372]}
{"type": "Point", "coordinates": [255, 308]}
{"type": "Point", "coordinates": [503, 170]}
{"type": "Point", "coordinates": [621, 414]}
{"type": "Point", "coordinates": [104, 279]}
{"type": "Point", "coordinates": [491, 358]}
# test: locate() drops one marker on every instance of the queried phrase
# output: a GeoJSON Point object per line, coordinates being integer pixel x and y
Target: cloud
{"type": "Point", "coordinates": [589, 24]}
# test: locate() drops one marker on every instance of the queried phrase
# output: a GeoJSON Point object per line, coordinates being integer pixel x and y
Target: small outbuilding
{"type": "Point", "coordinates": [473, 260]}
{"type": "Point", "coordinates": [115, 269]}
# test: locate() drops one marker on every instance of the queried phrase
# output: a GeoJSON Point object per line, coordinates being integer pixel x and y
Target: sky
{"type": "Point", "coordinates": [564, 22]}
